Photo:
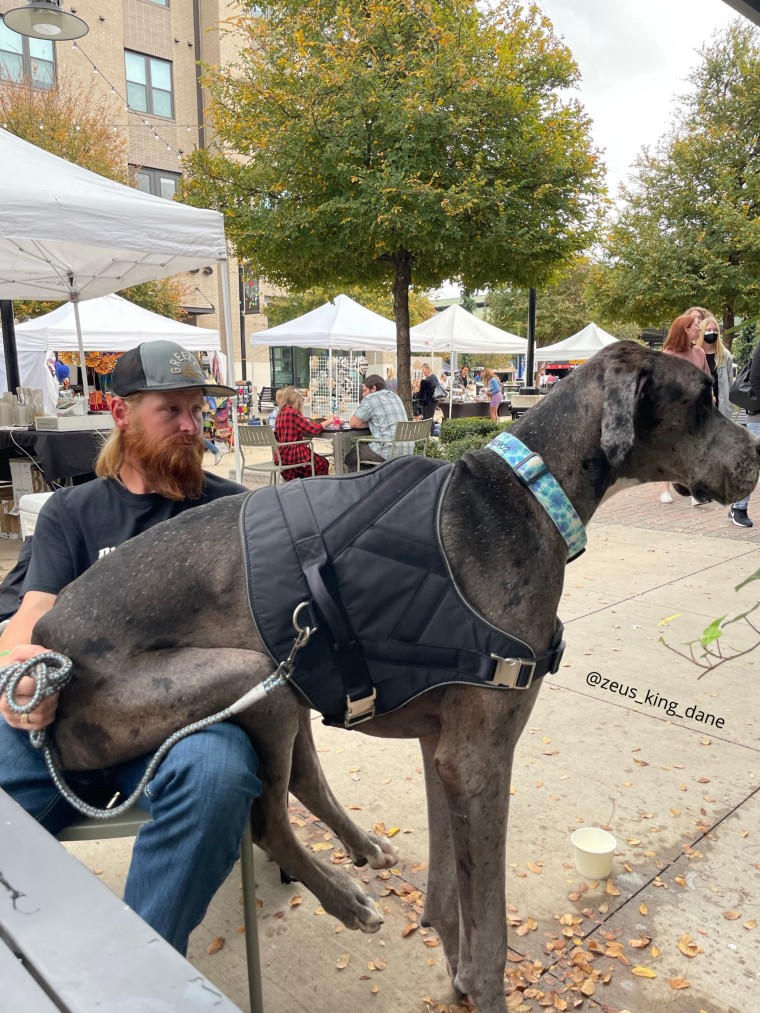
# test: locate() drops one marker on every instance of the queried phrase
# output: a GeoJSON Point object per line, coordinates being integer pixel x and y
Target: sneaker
{"type": "Point", "coordinates": [220, 452]}
{"type": "Point", "coordinates": [739, 517]}
{"type": "Point", "coordinates": [696, 502]}
{"type": "Point", "coordinates": [665, 497]}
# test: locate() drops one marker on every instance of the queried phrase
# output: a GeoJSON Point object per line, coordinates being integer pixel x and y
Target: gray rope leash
{"type": "Point", "coordinates": [52, 673]}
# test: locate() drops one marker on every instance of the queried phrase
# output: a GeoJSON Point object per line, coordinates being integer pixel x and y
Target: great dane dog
{"type": "Point", "coordinates": [160, 635]}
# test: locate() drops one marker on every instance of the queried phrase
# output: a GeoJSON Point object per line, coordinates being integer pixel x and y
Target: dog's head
{"type": "Point", "coordinates": [659, 423]}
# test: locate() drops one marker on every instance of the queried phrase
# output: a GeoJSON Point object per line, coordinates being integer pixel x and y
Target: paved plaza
{"type": "Point", "coordinates": [627, 736]}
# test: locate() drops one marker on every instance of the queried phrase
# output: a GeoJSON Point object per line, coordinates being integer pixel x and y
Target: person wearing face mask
{"type": "Point", "coordinates": [720, 361]}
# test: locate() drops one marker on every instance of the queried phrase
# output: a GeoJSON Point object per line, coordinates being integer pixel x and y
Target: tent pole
{"type": "Point", "coordinates": [453, 360]}
{"type": "Point", "coordinates": [227, 311]}
{"type": "Point", "coordinates": [13, 378]}
{"type": "Point", "coordinates": [80, 340]}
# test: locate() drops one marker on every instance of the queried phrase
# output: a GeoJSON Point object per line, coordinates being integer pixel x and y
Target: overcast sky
{"type": "Point", "coordinates": [634, 57]}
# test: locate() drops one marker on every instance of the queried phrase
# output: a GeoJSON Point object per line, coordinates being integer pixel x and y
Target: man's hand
{"type": "Point", "coordinates": [44, 713]}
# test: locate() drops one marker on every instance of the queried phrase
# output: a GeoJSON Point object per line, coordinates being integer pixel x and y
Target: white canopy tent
{"type": "Point", "coordinates": [68, 233]}
{"type": "Point", "coordinates": [456, 330]}
{"type": "Point", "coordinates": [342, 324]}
{"type": "Point", "coordinates": [583, 345]}
{"type": "Point", "coordinates": [109, 324]}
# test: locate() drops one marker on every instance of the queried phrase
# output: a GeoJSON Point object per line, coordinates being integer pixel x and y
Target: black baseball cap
{"type": "Point", "coordinates": [162, 365]}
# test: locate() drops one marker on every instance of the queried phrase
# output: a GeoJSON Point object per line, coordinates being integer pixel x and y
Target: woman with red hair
{"type": "Point", "coordinates": [684, 331]}
{"type": "Point", "coordinates": [681, 342]}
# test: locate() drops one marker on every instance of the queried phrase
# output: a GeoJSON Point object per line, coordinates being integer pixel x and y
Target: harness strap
{"type": "Point", "coordinates": [359, 690]}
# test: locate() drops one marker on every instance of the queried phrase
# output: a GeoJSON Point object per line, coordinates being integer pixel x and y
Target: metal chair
{"type": "Point", "coordinates": [405, 432]}
{"type": "Point", "coordinates": [130, 822]}
{"type": "Point", "coordinates": [263, 436]}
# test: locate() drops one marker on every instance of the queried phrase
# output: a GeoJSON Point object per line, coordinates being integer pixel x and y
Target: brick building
{"type": "Point", "coordinates": [146, 56]}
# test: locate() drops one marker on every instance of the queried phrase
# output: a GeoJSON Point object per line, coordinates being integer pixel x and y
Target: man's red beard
{"type": "Point", "coordinates": [172, 468]}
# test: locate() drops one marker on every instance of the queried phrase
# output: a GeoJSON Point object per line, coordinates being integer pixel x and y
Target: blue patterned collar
{"type": "Point", "coordinates": [532, 470]}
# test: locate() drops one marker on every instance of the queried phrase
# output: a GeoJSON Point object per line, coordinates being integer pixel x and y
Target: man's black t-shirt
{"type": "Point", "coordinates": [77, 526]}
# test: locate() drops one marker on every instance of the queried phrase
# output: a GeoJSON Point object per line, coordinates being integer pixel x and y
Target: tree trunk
{"type": "Point", "coordinates": [402, 280]}
{"type": "Point", "coordinates": [728, 323]}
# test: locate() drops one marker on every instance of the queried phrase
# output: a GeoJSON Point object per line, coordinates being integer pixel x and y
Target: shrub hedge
{"type": "Point", "coordinates": [460, 436]}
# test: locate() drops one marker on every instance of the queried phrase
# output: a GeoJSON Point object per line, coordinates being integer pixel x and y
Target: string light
{"type": "Point", "coordinates": [137, 112]}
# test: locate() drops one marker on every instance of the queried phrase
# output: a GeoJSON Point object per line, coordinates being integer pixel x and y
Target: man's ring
{"type": "Point", "coordinates": [24, 719]}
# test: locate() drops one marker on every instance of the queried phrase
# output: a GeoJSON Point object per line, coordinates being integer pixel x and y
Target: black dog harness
{"type": "Point", "coordinates": [365, 552]}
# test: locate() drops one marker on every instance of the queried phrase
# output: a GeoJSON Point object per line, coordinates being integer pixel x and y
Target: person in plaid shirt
{"type": "Point", "coordinates": [379, 411]}
{"type": "Point", "coordinates": [292, 425]}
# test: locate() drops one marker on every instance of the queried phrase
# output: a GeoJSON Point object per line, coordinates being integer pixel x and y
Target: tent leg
{"type": "Point", "coordinates": [227, 311]}
{"type": "Point", "coordinates": [80, 340]}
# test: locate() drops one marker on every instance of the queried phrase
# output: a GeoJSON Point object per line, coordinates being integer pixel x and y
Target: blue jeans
{"type": "Point", "coordinates": [754, 428]}
{"type": "Point", "coordinates": [199, 798]}
{"type": "Point", "coordinates": [210, 446]}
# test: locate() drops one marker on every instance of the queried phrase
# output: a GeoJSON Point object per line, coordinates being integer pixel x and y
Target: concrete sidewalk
{"type": "Point", "coordinates": [627, 736]}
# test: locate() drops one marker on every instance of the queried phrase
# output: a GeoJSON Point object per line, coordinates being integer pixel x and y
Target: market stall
{"type": "Point", "coordinates": [342, 325]}
{"type": "Point", "coordinates": [453, 331]}
{"type": "Point", "coordinates": [67, 233]}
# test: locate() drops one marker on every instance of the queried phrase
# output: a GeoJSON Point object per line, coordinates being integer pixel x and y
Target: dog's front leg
{"type": "Point", "coordinates": [473, 760]}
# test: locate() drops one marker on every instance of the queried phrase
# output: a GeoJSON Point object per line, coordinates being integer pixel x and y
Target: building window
{"type": "Point", "coordinates": [161, 3]}
{"type": "Point", "coordinates": [290, 366]}
{"type": "Point", "coordinates": [22, 57]}
{"type": "Point", "coordinates": [157, 181]}
{"type": "Point", "coordinates": [149, 84]}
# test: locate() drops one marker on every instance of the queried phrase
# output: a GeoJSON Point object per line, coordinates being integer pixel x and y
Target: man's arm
{"type": "Point", "coordinates": [356, 423]}
{"type": "Point", "coordinates": [19, 629]}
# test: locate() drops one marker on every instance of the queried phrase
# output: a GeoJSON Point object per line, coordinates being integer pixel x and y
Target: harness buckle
{"type": "Point", "coordinates": [361, 709]}
{"type": "Point", "coordinates": [507, 672]}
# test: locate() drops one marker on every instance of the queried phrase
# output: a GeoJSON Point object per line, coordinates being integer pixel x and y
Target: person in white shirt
{"type": "Point", "coordinates": [379, 411]}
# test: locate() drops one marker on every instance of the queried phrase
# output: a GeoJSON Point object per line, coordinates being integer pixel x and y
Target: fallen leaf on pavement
{"type": "Point", "coordinates": [679, 983]}
{"type": "Point", "coordinates": [408, 929]}
{"type": "Point", "coordinates": [215, 945]}
{"type": "Point", "coordinates": [640, 943]}
{"type": "Point", "coordinates": [343, 961]}
{"type": "Point", "coordinates": [643, 972]}
{"type": "Point", "coordinates": [687, 946]}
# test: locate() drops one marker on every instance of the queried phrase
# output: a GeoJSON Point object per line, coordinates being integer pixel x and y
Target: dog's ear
{"type": "Point", "coordinates": [622, 390]}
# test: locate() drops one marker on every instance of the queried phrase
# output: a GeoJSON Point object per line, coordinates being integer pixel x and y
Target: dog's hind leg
{"type": "Point", "coordinates": [309, 785]}
{"type": "Point", "coordinates": [441, 901]}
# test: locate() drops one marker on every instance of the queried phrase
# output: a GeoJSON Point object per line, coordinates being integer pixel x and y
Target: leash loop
{"type": "Point", "coordinates": [52, 673]}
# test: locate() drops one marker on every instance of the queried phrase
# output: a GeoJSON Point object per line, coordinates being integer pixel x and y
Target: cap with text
{"type": "Point", "coordinates": [162, 365]}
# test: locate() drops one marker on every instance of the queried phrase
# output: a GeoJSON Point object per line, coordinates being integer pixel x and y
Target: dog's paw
{"type": "Point", "coordinates": [377, 853]}
{"type": "Point", "coordinates": [364, 914]}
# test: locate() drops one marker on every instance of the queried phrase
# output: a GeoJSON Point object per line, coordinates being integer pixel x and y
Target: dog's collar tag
{"type": "Point", "coordinates": [531, 469]}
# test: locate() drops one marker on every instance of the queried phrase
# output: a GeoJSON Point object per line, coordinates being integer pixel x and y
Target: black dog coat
{"type": "Point", "coordinates": [365, 552]}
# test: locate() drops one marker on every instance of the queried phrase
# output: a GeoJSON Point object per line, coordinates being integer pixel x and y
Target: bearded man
{"type": "Point", "coordinates": [200, 797]}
